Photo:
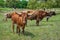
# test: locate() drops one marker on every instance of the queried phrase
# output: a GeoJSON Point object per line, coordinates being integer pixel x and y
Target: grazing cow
{"type": "Point", "coordinates": [50, 14]}
{"type": "Point", "coordinates": [19, 20]}
{"type": "Point", "coordinates": [37, 15]}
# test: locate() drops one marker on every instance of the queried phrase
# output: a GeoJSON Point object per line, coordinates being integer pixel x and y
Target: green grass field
{"type": "Point", "coordinates": [45, 31]}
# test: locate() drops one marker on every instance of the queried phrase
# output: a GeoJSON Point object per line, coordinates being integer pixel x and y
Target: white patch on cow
{"type": "Point", "coordinates": [24, 11]}
{"type": "Point", "coordinates": [20, 13]}
{"type": "Point", "coordinates": [30, 13]}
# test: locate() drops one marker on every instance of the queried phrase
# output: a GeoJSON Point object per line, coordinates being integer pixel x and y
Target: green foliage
{"type": "Point", "coordinates": [43, 4]}
{"type": "Point", "coordinates": [13, 3]}
{"type": "Point", "coordinates": [32, 4]}
{"type": "Point", "coordinates": [2, 3]}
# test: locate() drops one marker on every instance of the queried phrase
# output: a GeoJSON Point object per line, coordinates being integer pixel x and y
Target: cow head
{"type": "Point", "coordinates": [53, 13]}
{"type": "Point", "coordinates": [8, 15]}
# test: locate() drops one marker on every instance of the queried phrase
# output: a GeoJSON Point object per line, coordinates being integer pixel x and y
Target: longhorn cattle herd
{"type": "Point", "coordinates": [20, 19]}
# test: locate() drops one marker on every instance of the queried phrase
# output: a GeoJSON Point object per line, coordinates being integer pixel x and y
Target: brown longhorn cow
{"type": "Point", "coordinates": [19, 20]}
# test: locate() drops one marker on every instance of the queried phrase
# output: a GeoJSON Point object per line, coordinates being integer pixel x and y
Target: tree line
{"type": "Point", "coordinates": [31, 4]}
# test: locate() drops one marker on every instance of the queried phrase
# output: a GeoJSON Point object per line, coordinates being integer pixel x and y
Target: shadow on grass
{"type": "Point", "coordinates": [29, 34]}
{"type": "Point", "coordinates": [44, 24]}
{"type": "Point", "coordinates": [34, 25]}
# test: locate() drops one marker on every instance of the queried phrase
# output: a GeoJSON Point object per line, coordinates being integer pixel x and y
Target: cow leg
{"type": "Point", "coordinates": [18, 29]}
{"type": "Point", "coordinates": [13, 27]}
{"type": "Point", "coordinates": [47, 18]}
{"type": "Point", "coordinates": [37, 22]}
{"type": "Point", "coordinates": [26, 22]}
{"type": "Point", "coordinates": [23, 29]}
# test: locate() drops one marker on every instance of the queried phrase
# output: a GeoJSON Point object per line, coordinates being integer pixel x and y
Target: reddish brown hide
{"type": "Point", "coordinates": [19, 20]}
{"type": "Point", "coordinates": [37, 15]}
